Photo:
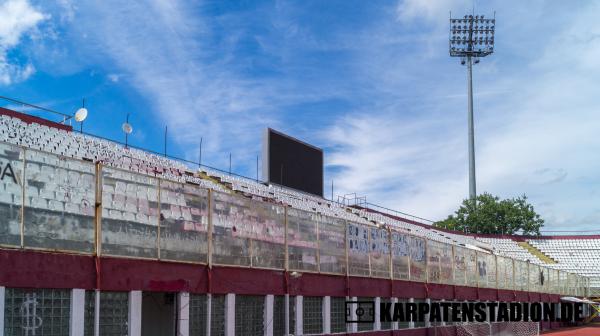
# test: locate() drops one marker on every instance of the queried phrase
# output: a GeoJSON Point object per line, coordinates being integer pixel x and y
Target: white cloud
{"type": "Point", "coordinates": [404, 146]}
{"type": "Point", "coordinates": [18, 19]}
{"type": "Point", "coordinates": [190, 71]}
{"type": "Point", "coordinates": [114, 78]}
{"type": "Point", "coordinates": [161, 52]}
{"type": "Point", "coordinates": [536, 133]}
{"type": "Point", "coordinates": [431, 10]}
{"type": "Point", "coordinates": [14, 73]}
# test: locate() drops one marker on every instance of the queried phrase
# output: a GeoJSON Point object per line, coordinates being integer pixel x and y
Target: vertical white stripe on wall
{"type": "Point", "coordinates": [2, 293]}
{"type": "Point", "coordinates": [353, 327]}
{"type": "Point", "coordinates": [327, 315]}
{"type": "Point", "coordinates": [442, 311]}
{"type": "Point", "coordinates": [183, 316]}
{"type": "Point", "coordinates": [135, 313]}
{"type": "Point", "coordinates": [299, 320]}
{"type": "Point", "coordinates": [377, 313]}
{"type": "Point", "coordinates": [268, 315]}
{"type": "Point", "coordinates": [287, 314]}
{"type": "Point", "coordinates": [230, 314]}
{"type": "Point", "coordinates": [96, 312]}
{"type": "Point", "coordinates": [208, 313]}
{"type": "Point", "coordinates": [76, 318]}
{"type": "Point", "coordinates": [427, 323]}
{"type": "Point", "coordinates": [394, 323]}
{"type": "Point", "coordinates": [411, 324]}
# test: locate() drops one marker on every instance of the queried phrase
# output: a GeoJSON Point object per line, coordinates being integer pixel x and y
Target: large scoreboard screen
{"type": "Point", "coordinates": [292, 163]}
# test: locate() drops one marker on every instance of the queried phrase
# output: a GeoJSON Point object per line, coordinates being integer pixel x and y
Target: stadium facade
{"type": "Point", "coordinates": [98, 239]}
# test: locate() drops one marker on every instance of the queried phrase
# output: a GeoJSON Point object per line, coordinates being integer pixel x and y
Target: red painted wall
{"type": "Point", "coordinates": [59, 270]}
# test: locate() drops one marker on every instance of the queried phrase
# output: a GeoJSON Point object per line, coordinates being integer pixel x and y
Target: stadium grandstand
{"type": "Point", "coordinates": [101, 239]}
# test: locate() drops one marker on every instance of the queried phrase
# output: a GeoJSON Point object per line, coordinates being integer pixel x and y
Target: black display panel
{"type": "Point", "coordinates": [292, 163]}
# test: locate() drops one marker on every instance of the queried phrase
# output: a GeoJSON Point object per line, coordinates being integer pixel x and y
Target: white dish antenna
{"type": "Point", "coordinates": [81, 114]}
{"type": "Point", "coordinates": [127, 128]}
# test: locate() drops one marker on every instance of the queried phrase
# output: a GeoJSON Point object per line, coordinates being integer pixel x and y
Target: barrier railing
{"type": "Point", "coordinates": [51, 202]}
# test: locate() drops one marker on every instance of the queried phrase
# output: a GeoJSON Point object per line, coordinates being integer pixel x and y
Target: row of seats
{"type": "Point", "coordinates": [580, 255]}
{"type": "Point", "coordinates": [70, 144]}
{"type": "Point", "coordinates": [308, 202]}
{"type": "Point", "coordinates": [60, 186]}
{"type": "Point", "coordinates": [510, 248]}
{"type": "Point", "coordinates": [41, 137]}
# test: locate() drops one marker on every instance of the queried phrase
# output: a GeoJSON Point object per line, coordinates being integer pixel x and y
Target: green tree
{"type": "Point", "coordinates": [489, 214]}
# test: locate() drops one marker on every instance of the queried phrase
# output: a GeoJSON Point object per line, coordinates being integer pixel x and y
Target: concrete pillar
{"type": "Point", "coordinates": [2, 299]}
{"type": "Point", "coordinates": [183, 316]}
{"type": "Point", "coordinates": [427, 323]}
{"type": "Point", "coordinates": [299, 320]}
{"type": "Point", "coordinates": [411, 324]}
{"type": "Point", "coordinates": [268, 315]}
{"type": "Point", "coordinates": [541, 322]}
{"type": "Point", "coordinates": [76, 317]}
{"type": "Point", "coordinates": [353, 327]}
{"type": "Point", "coordinates": [377, 313]}
{"type": "Point", "coordinates": [230, 314]}
{"type": "Point", "coordinates": [327, 314]}
{"type": "Point", "coordinates": [287, 314]}
{"type": "Point", "coordinates": [394, 323]}
{"type": "Point", "coordinates": [96, 312]}
{"type": "Point", "coordinates": [208, 313]}
{"type": "Point", "coordinates": [443, 323]}
{"type": "Point", "coordinates": [135, 313]}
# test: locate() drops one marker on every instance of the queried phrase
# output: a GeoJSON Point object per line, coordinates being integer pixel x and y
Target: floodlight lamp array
{"type": "Point", "coordinates": [473, 35]}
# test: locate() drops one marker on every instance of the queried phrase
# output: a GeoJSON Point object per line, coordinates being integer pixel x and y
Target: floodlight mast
{"type": "Point", "coordinates": [470, 38]}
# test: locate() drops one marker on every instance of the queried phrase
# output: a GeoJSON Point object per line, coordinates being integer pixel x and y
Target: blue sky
{"type": "Point", "coordinates": [371, 82]}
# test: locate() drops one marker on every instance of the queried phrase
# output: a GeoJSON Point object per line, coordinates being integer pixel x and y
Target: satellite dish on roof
{"type": "Point", "coordinates": [81, 114]}
{"type": "Point", "coordinates": [127, 128]}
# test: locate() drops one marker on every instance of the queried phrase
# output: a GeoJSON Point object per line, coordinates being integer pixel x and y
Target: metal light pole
{"type": "Point", "coordinates": [472, 184]}
{"type": "Point", "coordinates": [471, 38]}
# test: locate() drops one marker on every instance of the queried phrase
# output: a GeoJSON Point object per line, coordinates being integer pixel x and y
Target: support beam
{"type": "Point", "coordinates": [287, 314]}
{"type": "Point", "coordinates": [443, 324]}
{"type": "Point", "coordinates": [135, 313]}
{"type": "Point", "coordinates": [427, 323]}
{"type": "Point", "coordinates": [208, 313]}
{"type": "Point", "coordinates": [183, 314]}
{"type": "Point", "coordinates": [327, 314]}
{"type": "Point", "coordinates": [2, 300]}
{"type": "Point", "coordinates": [268, 316]}
{"type": "Point", "coordinates": [352, 327]}
{"type": "Point", "coordinates": [377, 313]}
{"type": "Point", "coordinates": [97, 312]}
{"type": "Point", "coordinates": [230, 314]}
{"type": "Point", "coordinates": [76, 317]}
{"type": "Point", "coordinates": [394, 323]}
{"type": "Point", "coordinates": [411, 324]}
{"type": "Point", "coordinates": [299, 320]}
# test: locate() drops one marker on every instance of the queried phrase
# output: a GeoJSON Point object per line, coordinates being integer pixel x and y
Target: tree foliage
{"type": "Point", "coordinates": [489, 214]}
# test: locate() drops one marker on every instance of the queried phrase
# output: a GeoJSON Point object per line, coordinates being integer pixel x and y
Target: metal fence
{"type": "Point", "coordinates": [51, 202]}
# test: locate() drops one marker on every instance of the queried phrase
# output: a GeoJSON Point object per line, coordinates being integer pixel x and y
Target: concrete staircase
{"type": "Point", "coordinates": [544, 258]}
